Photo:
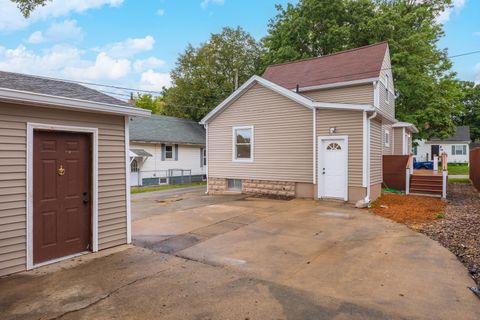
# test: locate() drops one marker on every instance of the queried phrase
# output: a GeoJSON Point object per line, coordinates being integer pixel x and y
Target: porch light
{"type": "Point", "coordinates": [333, 130]}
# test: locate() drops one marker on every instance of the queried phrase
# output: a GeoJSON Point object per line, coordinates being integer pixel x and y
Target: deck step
{"type": "Point", "coordinates": [427, 178]}
{"type": "Point", "coordinates": [426, 189]}
{"type": "Point", "coordinates": [426, 184]}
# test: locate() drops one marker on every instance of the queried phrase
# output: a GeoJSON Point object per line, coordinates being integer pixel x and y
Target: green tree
{"type": "Point", "coordinates": [148, 101]}
{"type": "Point", "coordinates": [27, 6]}
{"type": "Point", "coordinates": [206, 75]}
{"type": "Point", "coordinates": [427, 93]}
{"type": "Point", "coordinates": [471, 114]}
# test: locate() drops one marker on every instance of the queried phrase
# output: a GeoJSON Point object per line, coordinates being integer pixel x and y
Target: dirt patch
{"type": "Point", "coordinates": [271, 197]}
{"type": "Point", "coordinates": [413, 211]}
{"type": "Point", "coordinates": [459, 231]}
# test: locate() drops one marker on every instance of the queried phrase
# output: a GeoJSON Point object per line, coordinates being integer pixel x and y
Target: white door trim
{"type": "Point", "coordinates": [52, 127]}
{"type": "Point", "coordinates": [320, 163]}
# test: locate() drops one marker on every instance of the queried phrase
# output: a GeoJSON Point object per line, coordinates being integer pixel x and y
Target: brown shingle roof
{"type": "Point", "coordinates": [350, 65]}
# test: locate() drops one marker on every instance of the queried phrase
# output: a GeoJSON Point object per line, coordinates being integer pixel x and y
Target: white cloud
{"type": "Point", "coordinates": [160, 12]}
{"type": "Point", "coordinates": [457, 6]}
{"type": "Point", "coordinates": [66, 30]}
{"type": "Point", "coordinates": [68, 62]}
{"type": "Point", "coordinates": [155, 81]}
{"type": "Point", "coordinates": [49, 62]}
{"type": "Point", "coordinates": [146, 64]}
{"type": "Point", "coordinates": [128, 47]}
{"type": "Point", "coordinates": [12, 19]}
{"type": "Point", "coordinates": [205, 3]}
{"type": "Point", "coordinates": [36, 37]}
{"type": "Point", "coordinates": [104, 68]}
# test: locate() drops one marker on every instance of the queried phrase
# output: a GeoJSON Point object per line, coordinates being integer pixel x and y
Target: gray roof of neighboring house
{"type": "Point", "coordinates": [462, 133]}
{"type": "Point", "coordinates": [166, 129]}
{"type": "Point", "coordinates": [59, 88]}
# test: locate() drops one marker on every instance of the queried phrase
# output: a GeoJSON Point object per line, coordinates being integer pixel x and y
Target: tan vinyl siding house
{"type": "Point", "coordinates": [283, 141]}
{"type": "Point", "coordinates": [348, 123]}
{"type": "Point", "coordinates": [16, 177]}
{"type": "Point", "coordinates": [358, 94]}
{"type": "Point", "coordinates": [294, 132]}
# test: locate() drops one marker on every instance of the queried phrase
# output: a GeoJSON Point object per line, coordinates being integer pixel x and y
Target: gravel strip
{"type": "Point", "coordinates": [459, 231]}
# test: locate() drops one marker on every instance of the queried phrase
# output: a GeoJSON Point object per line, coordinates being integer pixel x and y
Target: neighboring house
{"type": "Point", "coordinates": [456, 147]}
{"type": "Point", "coordinates": [314, 128]}
{"type": "Point", "coordinates": [63, 175]}
{"type": "Point", "coordinates": [166, 150]}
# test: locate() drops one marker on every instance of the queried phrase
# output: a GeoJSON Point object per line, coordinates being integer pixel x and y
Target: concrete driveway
{"type": "Point", "coordinates": [201, 257]}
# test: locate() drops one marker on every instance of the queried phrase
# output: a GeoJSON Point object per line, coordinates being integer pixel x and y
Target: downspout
{"type": "Point", "coordinates": [206, 147]}
{"type": "Point", "coordinates": [367, 198]}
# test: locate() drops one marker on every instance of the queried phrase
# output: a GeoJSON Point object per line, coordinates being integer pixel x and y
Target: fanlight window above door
{"type": "Point", "coordinates": [334, 146]}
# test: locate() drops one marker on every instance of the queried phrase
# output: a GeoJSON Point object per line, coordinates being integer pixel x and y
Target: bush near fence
{"type": "Point", "coordinates": [475, 167]}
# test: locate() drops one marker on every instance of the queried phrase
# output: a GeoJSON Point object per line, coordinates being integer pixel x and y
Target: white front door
{"type": "Point", "coordinates": [332, 167]}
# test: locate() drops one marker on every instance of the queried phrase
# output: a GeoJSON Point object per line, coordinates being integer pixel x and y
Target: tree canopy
{"type": "Point", "coordinates": [27, 6]}
{"type": "Point", "coordinates": [427, 93]}
{"type": "Point", "coordinates": [155, 104]}
{"type": "Point", "coordinates": [206, 75]}
{"type": "Point", "coordinates": [471, 114]}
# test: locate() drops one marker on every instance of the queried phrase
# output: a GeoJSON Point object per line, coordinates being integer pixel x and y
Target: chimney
{"type": "Point", "coordinates": [132, 99]}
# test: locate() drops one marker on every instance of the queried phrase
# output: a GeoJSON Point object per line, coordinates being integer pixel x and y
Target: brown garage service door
{"type": "Point", "coordinates": [61, 194]}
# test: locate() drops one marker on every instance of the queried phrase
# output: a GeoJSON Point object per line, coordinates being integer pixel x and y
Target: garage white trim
{"type": "Point", "coordinates": [29, 186]}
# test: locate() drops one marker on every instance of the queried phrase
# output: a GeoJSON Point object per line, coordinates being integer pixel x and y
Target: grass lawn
{"type": "Point", "coordinates": [459, 180]}
{"type": "Point", "coordinates": [457, 169]}
{"type": "Point", "coordinates": [165, 187]}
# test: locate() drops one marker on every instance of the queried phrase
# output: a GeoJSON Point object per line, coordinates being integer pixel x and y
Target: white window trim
{"type": "Point", "coordinates": [387, 141]}
{"type": "Point", "coordinates": [459, 147]}
{"type": "Point", "coordinates": [173, 152]}
{"type": "Point", "coordinates": [29, 186]}
{"type": "Point", "coordinates": [234, 144]}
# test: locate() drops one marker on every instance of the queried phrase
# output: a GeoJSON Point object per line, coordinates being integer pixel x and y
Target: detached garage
{"type": "Point", "coordinates": [64, 188]}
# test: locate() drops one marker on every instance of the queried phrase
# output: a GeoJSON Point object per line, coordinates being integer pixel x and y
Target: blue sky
{"type": "Point", "coordinates": [135, 43]}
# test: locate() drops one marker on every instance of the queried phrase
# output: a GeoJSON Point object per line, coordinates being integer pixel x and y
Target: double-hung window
{"type": "Point", "coordinates": [242, 144]}
{"type": "Point", "coordinates": [169, 152]}
{"type": "Point", "coordinates": [459, 150]}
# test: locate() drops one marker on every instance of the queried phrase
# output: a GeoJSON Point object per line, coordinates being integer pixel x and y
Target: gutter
{"type": "Point", "coordinates": [46, 100]}
{"type": "Point", "coordinates": [367, 198]}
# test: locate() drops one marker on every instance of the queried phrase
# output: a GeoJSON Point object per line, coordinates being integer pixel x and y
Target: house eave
{"type": "Point", "coordinates": [45, 100]}
{"type": "Point", "coordinates": [344, 106]}
{"type": "Point", "coordinates": [337, 84]}
{"type": "Point", "coordinates": [168, 142]}
{"type": "Point", "coordinates": [310, 104]}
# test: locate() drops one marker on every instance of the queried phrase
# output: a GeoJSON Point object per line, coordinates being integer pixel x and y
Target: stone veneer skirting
{"type": "Point", "coordinates": [253, 186]}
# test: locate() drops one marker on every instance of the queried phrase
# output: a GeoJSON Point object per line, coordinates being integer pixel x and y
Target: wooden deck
{"type": "Point", "coordinates": [424, 172]}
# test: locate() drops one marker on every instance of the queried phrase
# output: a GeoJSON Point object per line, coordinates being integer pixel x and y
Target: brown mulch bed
{"type": "Point", "coordinates": [460, 230]}
{"type": "Point", "coordinates": [413, 211]}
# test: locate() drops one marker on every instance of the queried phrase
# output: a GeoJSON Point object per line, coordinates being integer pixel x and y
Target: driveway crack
{"type": "Point", "coordinates": [108, 295]}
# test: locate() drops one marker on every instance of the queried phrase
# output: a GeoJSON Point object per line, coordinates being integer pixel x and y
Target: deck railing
{"type": "Point", "coordinates": [444, 174]}
{"type": "Point", "coordinates": [408, 173]}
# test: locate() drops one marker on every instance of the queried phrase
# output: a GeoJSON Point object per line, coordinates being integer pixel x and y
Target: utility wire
{"type": "Point", "coordinates": [158, 92]}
